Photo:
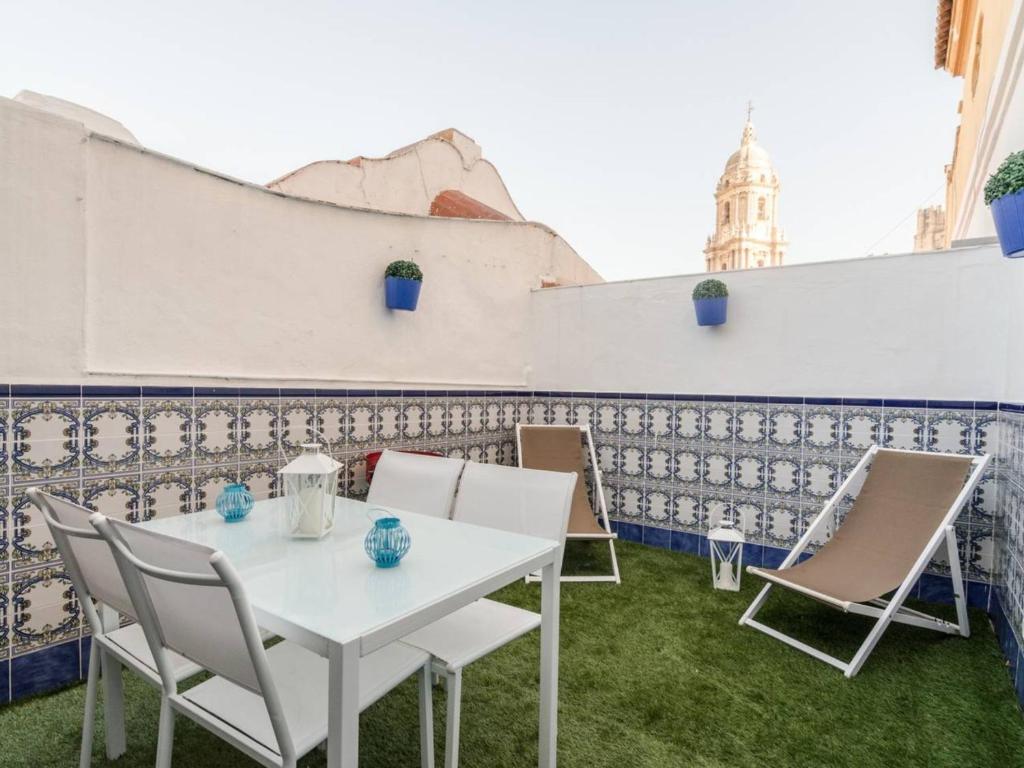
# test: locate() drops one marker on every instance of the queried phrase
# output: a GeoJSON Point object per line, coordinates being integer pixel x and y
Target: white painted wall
{"type": "Point", "coordinates": [407, 180]}
{"type": "Point", "coordinates": [932, 325]}
{"type": "Point", "coordinates": [90, 118]}
{"type": "Point", "coordinates": [125, 265]}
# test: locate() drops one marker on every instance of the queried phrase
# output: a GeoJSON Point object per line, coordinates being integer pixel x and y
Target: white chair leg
{"type": "Point", "coordinates": [615, 561]}
{"type": "Point", "coordinates": [165, 737]}
{"type": "Point", "coordinates": [113, 705]}
{"type": "Point", "coordinates": [451, 740]}
{"type": "Point", "coordinates": [89, 719]}
{"type": "Point", "coordinates": [113, 691]}
{"type": "Point", "coordinates": [426, 717]}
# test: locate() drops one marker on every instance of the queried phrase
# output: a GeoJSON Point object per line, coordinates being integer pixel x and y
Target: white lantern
{"type": "Point", "coordinates": [310, 486]}
{"type": "Point", "coordinates": [726, 555]}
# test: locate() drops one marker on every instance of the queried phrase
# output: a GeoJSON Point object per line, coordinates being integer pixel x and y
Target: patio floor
{"type": "Point", "coordinates": [654, 673]}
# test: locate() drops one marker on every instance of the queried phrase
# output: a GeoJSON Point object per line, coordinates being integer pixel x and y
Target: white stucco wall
{"type": "Point", "coordinates": [407, 180]}
{"type": "Point", "coordinates": [125, 265]}
{"type": "Point", "coordinates": [90, 118]}
{"type": "Point", "coordinates": [931, 325]}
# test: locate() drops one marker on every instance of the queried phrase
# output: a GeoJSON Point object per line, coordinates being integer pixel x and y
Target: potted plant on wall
{"type": "Point", "coordinates": [1004, 191]}
{"type": "Point", "coordinates": [402, 282]}
{"type": "Point", "coordinates": [710, 298]}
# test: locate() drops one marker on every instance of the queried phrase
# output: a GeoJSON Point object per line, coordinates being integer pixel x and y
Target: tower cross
{"type": "Point", "coordinates": [750, 108]}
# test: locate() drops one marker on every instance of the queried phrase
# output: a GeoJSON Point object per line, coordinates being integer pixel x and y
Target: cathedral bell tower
{"type": "Point", "coordinates": [747, 234]}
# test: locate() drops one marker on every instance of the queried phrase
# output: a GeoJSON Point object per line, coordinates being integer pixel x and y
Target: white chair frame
{"type": "Point", "coordinates": [171, 702]}
{"type": "Point", "coordinates": [104, 653]}
{"type": "Point", "coordinates": [415, 483]}
{"type": "Point", "coordinates": [602, 507]}
{"type": "Point", "coordinates": [498, 622]}
{"type": "Point", "coordinates": [885, 611]}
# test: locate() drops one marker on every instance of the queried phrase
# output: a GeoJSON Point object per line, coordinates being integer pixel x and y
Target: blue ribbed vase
{"type": "Point", "coordinates": [387, 542]}
{"type": "Point", "coordinates": [234, 502]}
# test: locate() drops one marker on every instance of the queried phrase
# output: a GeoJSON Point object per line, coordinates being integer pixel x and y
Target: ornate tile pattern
{"type": "Point", "coordinates": [142, 453]}
{"type": "Point", "coordinates": [679, 462]}
{"type": "Point", "coordinates": [673, 464]}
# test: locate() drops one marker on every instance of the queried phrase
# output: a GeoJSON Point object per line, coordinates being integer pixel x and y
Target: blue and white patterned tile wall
{"type": "Point", "coordinates": [140, 453]}
{"type": "Point", "coordinates": [672, 465]}
{"type": "Point", "coordinates": [675, 464]}
{"type": "Point", "coordinates": [1008, 524]}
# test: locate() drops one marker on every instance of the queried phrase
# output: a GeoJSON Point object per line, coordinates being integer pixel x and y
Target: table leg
{"type": "Point", "coordinates": [343, 705]}
{"type": "Point", "coordinates": [113, 691]}
{"type": "Point", "coordinates": [547, 756]}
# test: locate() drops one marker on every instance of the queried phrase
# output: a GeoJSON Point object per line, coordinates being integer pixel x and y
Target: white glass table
{"type": "Point", "coordinates": [328, 596]}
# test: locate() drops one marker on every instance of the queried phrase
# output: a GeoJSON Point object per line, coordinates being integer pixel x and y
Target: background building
{"type": "Point", "coordinates": [983, 42]}
{"type": "Point", "coordinates": [444, 174]}
{"type": "Point", "coordinates": [747, 207]}
{"type": "Point", "coordinates": [931, 229]}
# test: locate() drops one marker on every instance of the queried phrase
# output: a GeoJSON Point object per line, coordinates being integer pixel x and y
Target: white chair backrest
{"type": "Point", "coordinates": [413, 483]}
{"type": "Point", "coordinates": [87, 558]}
{"type": "Point", "coordinates": [192, 608]}
{"type": "Point", "coordinates": [530, 501]}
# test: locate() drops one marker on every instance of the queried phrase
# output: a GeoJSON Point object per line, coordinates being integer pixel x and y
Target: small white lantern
{"type": "Point", "coordinates": [310, 485]}
{"type": "Point", "coordinates": [726, 555]}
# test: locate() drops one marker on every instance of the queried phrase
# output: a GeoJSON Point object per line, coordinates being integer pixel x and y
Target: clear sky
{"type": "Point", "coordinates": [609, 121]}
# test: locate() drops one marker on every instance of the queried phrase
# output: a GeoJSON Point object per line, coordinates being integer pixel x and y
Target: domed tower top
{"type": "Point", "coordinates": [746, 233]}
{"type": "Point", "coordinates": [751, 159]}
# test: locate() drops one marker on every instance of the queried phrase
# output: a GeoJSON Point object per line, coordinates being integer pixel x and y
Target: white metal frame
{"type": "Point", "coordinates": [609, 536]}
{"type": "Point", "coordinates": [885, 611]}
{"type": "Point", "coordinates": [225, 576]}
{"type": "Point", "coordinates": [105, 654]}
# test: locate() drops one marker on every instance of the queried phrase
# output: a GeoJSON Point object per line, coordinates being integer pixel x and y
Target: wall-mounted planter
{"type": "Point", "coordinates": [711, 311]}
{"type": "Point", "coordinates": [402, 282]}
{"type": "Point", "coordinates": [1004, 191]}
{"type": "Point", "coordinates": [710, 300]}
{"type": "Point", "coordinates": [1008, 213]}
{"type": "Point", "coordinates": [402, 293]}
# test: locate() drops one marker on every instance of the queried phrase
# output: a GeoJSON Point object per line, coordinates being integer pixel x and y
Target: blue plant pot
{"type": "Point", "coordinates": [401, 292]}
{"type": "Point", "coordinates": [234, 502]}
{"type": "Point", "coordinates": [1008, 212]}
{"type": "Point", "coordinates": [711, 311]}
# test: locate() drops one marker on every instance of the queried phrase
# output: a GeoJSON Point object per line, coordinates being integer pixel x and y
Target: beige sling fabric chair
{"type": "Point", "coordinates": [905, 506]}
{"type": "Point", "coordinates": [560, 449]}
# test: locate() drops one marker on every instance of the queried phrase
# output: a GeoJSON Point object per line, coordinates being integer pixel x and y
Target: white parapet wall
{"type": "Point", "coordinates": [121, 264]}
{"type": "Point", "coordinates": [924, 325]}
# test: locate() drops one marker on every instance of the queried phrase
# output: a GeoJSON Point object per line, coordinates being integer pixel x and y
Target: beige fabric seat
{"type": "Point", "coordinates": [560, 449]}
{"type": "Point", "coordinates": [906, 507]}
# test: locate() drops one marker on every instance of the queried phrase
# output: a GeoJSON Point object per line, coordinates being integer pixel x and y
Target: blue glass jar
{"type": "Point", "coordinates": [387, 542]}
{"type": "Point", "coordinates": [234, 502]}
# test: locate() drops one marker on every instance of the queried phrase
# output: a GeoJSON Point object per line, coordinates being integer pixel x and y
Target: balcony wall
{"type": "Point", "coordinates": [133, 267]}
{"type": "Point", "coordinates": [933, 325]}
{"type": "Point", "coordinates": [169, 330]}
{"type": "Point", "coordinates": [763, 417]}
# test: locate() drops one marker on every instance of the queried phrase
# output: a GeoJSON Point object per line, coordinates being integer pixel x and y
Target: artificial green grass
{"type": "Point", "coordinates": [654, 672]}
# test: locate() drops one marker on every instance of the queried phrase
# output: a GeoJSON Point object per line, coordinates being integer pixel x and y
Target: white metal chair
{"type": "Point", "coordinates": [415, 483]}
{"type": "Point", "coordinates": [560, 449]}
{"type": "Point", "coordinates": [526, 501]}
{"type": "Point", "coordinates": [271, 704]}
{"type": "Point", "coordinates": [95, 576]}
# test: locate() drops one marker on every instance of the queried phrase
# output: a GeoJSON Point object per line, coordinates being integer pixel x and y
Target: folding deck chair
{"type": "Point", "coordinates": [905, 506]}
{"type": "Point", "coordinates": [560, 449]}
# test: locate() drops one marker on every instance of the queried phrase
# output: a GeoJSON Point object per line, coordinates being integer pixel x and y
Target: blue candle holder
{"type": "Point", "coordinates": [234, 502]}
{"type": "Point", "coordinates": [387, 542]}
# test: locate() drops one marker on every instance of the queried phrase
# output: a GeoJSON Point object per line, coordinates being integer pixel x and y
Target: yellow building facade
{"type": "Point", "coordinates": [981, 41]}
